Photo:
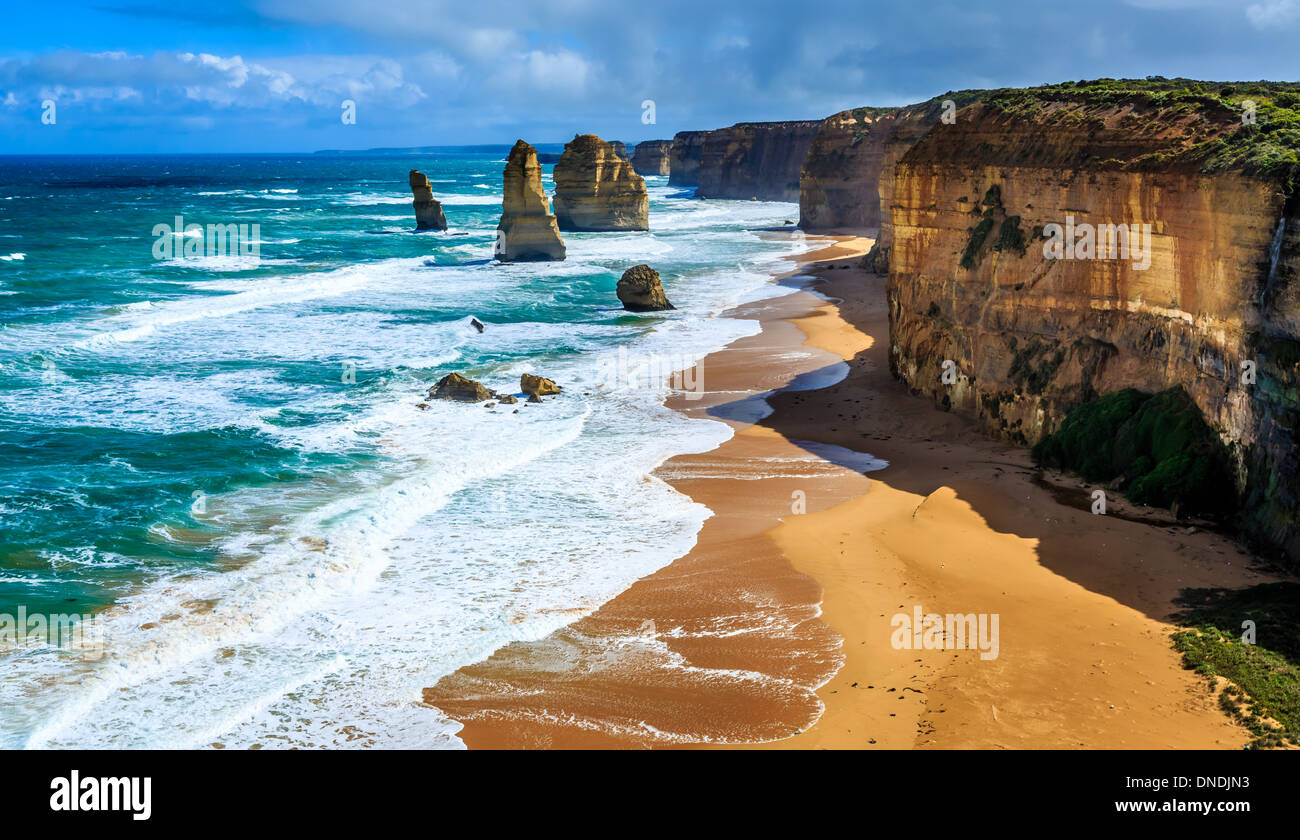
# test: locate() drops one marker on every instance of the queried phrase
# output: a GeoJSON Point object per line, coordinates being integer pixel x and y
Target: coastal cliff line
{"type": "Point", "coordinates": [759, 160]}
{"type": "Point", "coordinates": [1185, 220]}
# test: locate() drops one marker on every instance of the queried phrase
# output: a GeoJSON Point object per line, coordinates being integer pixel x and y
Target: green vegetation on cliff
{"type": "Point", "coordinates": [1210, 115]}
{"type": "Point", "coordinates": [1158, 447]}
{"type": "Point", "coordinates": [1263, 693]}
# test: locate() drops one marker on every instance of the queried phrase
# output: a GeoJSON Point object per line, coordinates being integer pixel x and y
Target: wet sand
{"type": "Point", "coordinates": [777, 628]}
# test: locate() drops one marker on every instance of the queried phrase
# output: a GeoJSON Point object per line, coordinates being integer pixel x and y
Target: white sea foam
{"type": "Point", "coordinates": [340, 597]}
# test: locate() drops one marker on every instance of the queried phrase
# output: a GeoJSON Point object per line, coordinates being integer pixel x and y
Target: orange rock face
{"type": "Point", "coordinates": [527, 230]}
{"type": "Point", "coordinates": [841, 171]}
{"type": "Point", "coordinates": [428, 211]}
{"type": "Point", "coordinates": [597, 189]}
{"type": "Point", "coordinates": [983, 289]}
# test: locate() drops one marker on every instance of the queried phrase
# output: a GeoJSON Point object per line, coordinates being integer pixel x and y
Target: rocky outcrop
{"type": "Point", "coordinates": [596, 189]}
{"type": "Point", "coordinates": [640, 290]}
{"type": "Point", "coordinates": [527, 230]}
{"type": "Point", "coordinates": [453, 386]}
{"type": "Point", "coordinates": [1014, 298]}
{"type": "Point", "coordinates": [684, 158]}
{"type": "Point", "coordinates": [755, 160]}
{"type": "Point", "coordinates": [428, 211]}
{"type": "Point", "coordinates": [620, 148]}
{"type": "Point", "coordinates": [538, 386]}
{"type": "Point", "coordinates": [652, 157]}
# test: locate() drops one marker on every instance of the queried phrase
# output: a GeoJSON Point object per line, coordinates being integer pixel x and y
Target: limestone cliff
{"type": "Point", "coordinates": [684, 158]}
{"type": "Point", "coordinates": [428, 211]}
{"type": "Point", "coordinates": [841, 172]}
{"type": "Point", "coordinates": [755, 160]}
{"type": "Point", "coordinates": [527, 230]}
{"type": "Point", "coordinates": [1028, 319]}
{"type": "Point", "coordinates": [596, 189]}
{"type": "Point", "coordinates": [620, 148]}
{"type": "Point", "coordinates": [651, 157]}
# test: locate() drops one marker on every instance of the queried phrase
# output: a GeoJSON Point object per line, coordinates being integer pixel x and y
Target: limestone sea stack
{"type": "Point", "coordinates": [651, 157]}
{"type": "Point", "coordinates": [595, 189]}
{"type": "Point", "coordinates": [428, 210]}
{"type": "Point", "coordinates": [620, 148]}
{"type": "Point", "coordinates": [640, 290]}
{"type": "Point", "coordinates": [527, 231]}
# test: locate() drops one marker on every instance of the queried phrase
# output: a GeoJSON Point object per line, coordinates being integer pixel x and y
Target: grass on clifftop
{"type": "Point", "coordinates": [1268, 148]}
{"type": "Point", "coordinates": [1264, 690]}
{"type": "Point", "coordinates": [1158, 448]}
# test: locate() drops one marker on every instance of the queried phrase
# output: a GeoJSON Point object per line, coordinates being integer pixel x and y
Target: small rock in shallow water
{"type": "Point", "coordinates": [453, 386]}
{"type": "Point", "coordinates": [476, 324]}
{"type": "Point", "coordinates": [538, 385]}
{"type": "Point", "coordinates": [640, 290]}
{"type": "Point", "coordinates": [533, 398]}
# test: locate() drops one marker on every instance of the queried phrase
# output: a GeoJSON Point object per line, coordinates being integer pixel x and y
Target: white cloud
{"type": "Point", "coordinates": [1273, 13]}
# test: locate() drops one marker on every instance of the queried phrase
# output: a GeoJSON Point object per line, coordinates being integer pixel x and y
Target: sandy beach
{"type": "Point", "coordinates": [778, 630]}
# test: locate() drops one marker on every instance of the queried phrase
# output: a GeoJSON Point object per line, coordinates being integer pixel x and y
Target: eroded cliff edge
{"type": "Point", "coordinates": [1204, 297]}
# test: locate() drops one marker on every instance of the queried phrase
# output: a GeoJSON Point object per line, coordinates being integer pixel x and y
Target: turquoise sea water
{"type": "Point", "coordinates": [222, 457]}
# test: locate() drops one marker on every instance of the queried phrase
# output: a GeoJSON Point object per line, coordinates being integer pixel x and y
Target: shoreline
{"type": "Point", "coordinates": [954, 524]}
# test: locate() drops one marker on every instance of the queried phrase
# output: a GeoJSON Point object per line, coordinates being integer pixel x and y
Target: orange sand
{"type": "Point", "coordinates": [737, 650]}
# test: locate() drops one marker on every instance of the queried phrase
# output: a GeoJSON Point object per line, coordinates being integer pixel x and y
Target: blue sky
{"type": "Point", "coordinates": [270, 75]}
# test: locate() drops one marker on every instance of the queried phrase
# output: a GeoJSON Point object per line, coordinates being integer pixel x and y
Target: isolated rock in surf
{"type": "Point", "coordinates": [538, 386]}
{"type": "Point", "coordinates": [527, 231]}
{"type": "Point", "coordinates": [597, 189]}
{"type": "Point", "coordinates": [640, 290]}
{"type": "Point", "coordinates": [453, 386]}
{"type": "Point", "coordinates": [428, 210]}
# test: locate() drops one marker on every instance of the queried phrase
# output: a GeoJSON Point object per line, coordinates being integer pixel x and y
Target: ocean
{"type": "Point", "coordinates": [221, 457]}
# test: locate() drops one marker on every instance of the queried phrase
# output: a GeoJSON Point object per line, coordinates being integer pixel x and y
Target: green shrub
{"type": "Point", "coordinates": [1158, 445]}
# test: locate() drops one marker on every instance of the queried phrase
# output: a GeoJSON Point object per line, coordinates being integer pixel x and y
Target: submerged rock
{"type": "Point", "coordinates": [527, 230]}
{"type": "Point", "coordinates": [640, 290]}
{"type": "Point", "coordinates": [428, 210]}
{"type": "Point", "coordinates": [597, 189]}
{"type": "Point", "coordinates": [453, 386]}
{"type": "Point", "coordinates": [537, 386]}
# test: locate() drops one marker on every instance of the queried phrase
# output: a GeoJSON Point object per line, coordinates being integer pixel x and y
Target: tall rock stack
{"type": "Point", "coordinates": [428, 211]}
{"type": "Point", "coordinates": [596, 189]}
{"type": "Point", "coordinates": [620, 148]}
{"type": "Point", "coordinates": [651, 157]}
{"type": "Point", "coordinates": [527, 230]}
{"type": "Point", "coordinates": [684, 158]}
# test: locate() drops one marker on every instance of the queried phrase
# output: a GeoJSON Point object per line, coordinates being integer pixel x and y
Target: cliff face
{"type": "Point", "coordinates": [755, 160]}
{"type": "Point", "coordinates": [841, 173]}
{"type": "Point", "coordinates": [527, 230]}
{"type": "Point", "coordinates": [651, 157]}
{"type": "Point", "coordinates": [1026, 334]}
{"type": "Point", "coordinates": [684, 158]}
{"type": "Point", "coordinates": [596, 189]}
{"type": "Point", "coordinates": [428, 210]}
